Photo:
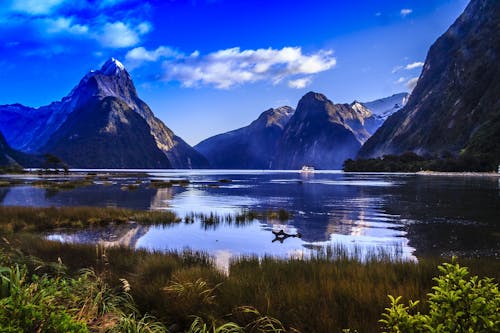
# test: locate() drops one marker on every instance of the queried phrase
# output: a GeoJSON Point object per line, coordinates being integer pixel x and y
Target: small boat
{"type": "Point", "coordinates": [307, 169]}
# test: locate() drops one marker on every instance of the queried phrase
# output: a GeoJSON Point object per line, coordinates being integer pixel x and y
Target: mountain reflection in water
{"type": "Point", "coordinates": [415, 214]}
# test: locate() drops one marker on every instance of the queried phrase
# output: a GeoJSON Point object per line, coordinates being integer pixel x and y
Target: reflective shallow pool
{"type": "Point", "coordinates": [406, 214]}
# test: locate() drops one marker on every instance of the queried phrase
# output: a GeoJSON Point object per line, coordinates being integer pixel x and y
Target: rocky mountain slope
{"type": "Point", "coordinates": [387, 106]}
{"type": "Point", "coordinates": [250, 147]}
{"type": "Point", "coordinates": [321, 134]}
{"type": "Point", "coordinates": [455, 106]}
{"type": "Point", "coordinates": [11, 157]}
{"type": "Point", "coordinates": [101, 123]}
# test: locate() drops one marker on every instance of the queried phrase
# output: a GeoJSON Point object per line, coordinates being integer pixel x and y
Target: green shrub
{"type": "Point", "coordinates": [456, 304]}
{"type": "Point", "coordinates": [34, 306]}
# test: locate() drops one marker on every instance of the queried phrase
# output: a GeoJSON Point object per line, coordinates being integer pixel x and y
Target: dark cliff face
{"type": "Point", "coordinates": [320, 134]}
{"type": "Point", "coordinates": [9, 156]}
{"type": "Point", "coordinates": [250, 147]}
{"type": "Point", "coordinates": [455, 106]}
{"type": "Point", "coordinates": [99, 96]}
{"type": "Point", "coordinates": [5, 159]}
{"type": "Point", "coordinates": [106, 133]}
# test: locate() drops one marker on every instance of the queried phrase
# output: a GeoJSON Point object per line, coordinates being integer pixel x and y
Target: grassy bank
{"type": "Point", "coordinates": [39, 219]}
{"type": "Point", "coordinates": [325, 294]}
{"type": "Point", "coordinates": [36, 219]}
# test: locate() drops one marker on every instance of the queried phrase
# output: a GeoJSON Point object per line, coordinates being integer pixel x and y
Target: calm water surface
{"type": "Point", "coordinates": [408, 214]}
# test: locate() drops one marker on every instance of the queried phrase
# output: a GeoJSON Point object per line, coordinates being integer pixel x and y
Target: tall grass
{"type": "Point", "coordinates": [35, 219]}
{"type": "Point", "coordinates": [326, 293]}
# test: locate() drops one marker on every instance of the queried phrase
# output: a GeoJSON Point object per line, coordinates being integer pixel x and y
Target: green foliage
{"type": "Point", "coordinates": [54, 162]}
{"type": "Point", "coordinates": [324, 294]}
{"type": "Point", "coordinates": [200, 326]}
{"type": "Point", "coordinates": [63, 304]}
{"type": "Point", "coordinates": [35, 306]}
{"type": "Point", "coordinates": [12, 169]}
{"type": "Point", "coordinates": [255, 323]}
{"type": "Point", "coordinates": [411, 162]}
{"type": "Point", "coordinates": [133, 324]}
{"type": "Point", "coordinates": [457, 304]}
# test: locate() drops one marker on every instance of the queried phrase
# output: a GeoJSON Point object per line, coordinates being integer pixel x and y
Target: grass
{"type": "Point", "coordinates": [334, 290]}
{"type": "Point", "coordinates": [54, 302]}
{"type": "Point", "coordinates": [327, 293]}
{"type": "Point", "coordinates": [62, 185]}
{"type": "Point", "coordinates": [35, 219]}
{"type": "Point", "coordinates": [39, 219]}
{"type": "Point", "coordinates": [155, 183]}
{"type": "Point", "coordinates": [48, 184]}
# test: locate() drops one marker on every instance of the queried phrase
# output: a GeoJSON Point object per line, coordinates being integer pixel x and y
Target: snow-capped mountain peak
{"type": "Point", "coordinates": [385, 107]}
{"type": "Point", "coordinates": [112, 67]}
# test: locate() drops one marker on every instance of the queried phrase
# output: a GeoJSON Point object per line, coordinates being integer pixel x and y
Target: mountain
{"type": "Point", "coordinates": [385, 107]}
{"type": "Point", "coordinates": [9, 156]}
{"type": "Point", "coordinates": [102, 123]}
{"type": "Point", "coordinates": [321, 134]}
{"type": "Point", "coordinates": [5, 158]}
{"type": "Point", "coordinates": [250, 147]}
{"type": "Point", "coordinates": [455, 105]}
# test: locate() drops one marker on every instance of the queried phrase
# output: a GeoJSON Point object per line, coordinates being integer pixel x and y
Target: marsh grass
{"type": "Point", "coordinates": [333, 290]}
{"type": "Point", "coordinates": [213, 220]}
{"type": "Point", "coordinates": [35, 219]}
{"type": "Point", "coordinates": [156, 183]}
{"type": "Point", "coordinates": [61, 184]}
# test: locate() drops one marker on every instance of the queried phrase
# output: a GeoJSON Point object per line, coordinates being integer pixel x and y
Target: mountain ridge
{"type": "Point", "coordinates": [39, 130]}
{"type": "Point", "coordinates": [251, 146]}
{"type": "Point", "coordinates": [455, 106]}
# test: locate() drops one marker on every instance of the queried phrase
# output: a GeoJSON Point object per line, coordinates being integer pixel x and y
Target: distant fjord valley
{"type": "Point", "coordinates": [106, 227]}
{"type": "Point", "coordinates": [103, 123]}
{"type": "Point", "coordinates": [451, 120]}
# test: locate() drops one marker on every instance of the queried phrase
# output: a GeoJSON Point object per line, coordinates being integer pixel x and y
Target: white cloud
{"type": "Point", "coordinates": [405, 12]}
{"type": "Point", "coordinates": [397, 69]}
{"type": "Point", "coordinates": [226, 68]}
{"type": "Point", "coordinates": [144, 28]}
{"type": "Point", "coordinates": [64, 25]}
{"type": "Point", "coordinates": [300, 83]}
{"type": "Point", "coordinates": [414, 65]}
{"type": "Point", "coordinates": [141, 54]}
{"type": "Point", "coordinates": [49, 21]}
{"type": "Point", "coordinates": [119, 35]}
{"type": "Point", "coordinates": [35, 7]}
{"type": "Point", "coordinates": [401, 80]}
{"type": "Point", "coordinates": [109, 3]}
{"type": "Point", "coordinates": [411, 83]}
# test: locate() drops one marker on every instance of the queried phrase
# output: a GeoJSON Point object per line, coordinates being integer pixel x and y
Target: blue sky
{"type": "Point", "coordinates": [209, 66]}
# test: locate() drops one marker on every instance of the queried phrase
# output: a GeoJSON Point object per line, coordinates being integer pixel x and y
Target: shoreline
{"type": "Point", "coordinates": [460, 174]}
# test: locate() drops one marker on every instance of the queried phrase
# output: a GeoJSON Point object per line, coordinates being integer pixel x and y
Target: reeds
{"type": "Point", "coordinates": [328, 292]}
{"type": "Point", "coordinates": [35, 219]}
{"type": "Point", "coordinates": [213, 220]}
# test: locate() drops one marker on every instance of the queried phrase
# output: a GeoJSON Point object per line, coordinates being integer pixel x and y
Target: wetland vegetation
{"type": "Point", "coordinates": [328, 293]}
{"type": "Point", "coordinates": [122, 289]}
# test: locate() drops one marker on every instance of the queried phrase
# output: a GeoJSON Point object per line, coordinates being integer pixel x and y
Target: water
{"type": "Point", "coordinates": [407, 214]}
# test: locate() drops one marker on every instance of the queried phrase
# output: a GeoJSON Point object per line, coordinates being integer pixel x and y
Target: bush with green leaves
{"type": "Point", "coordinates": [456, 304]}
{"type": "Point", "coordinates": [32, 303]}
{"type": "Point", "coordinates": [34, 306]}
